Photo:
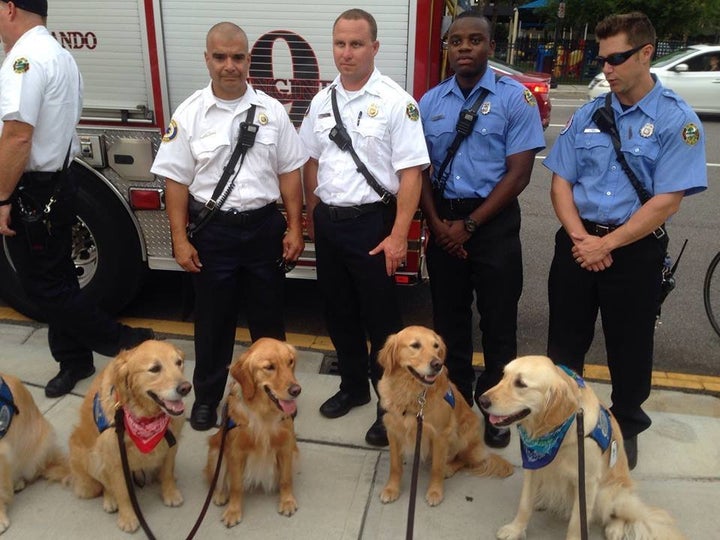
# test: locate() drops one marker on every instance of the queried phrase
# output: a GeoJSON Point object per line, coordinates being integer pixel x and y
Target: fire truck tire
{"type": "Point", "coordinates": [106, 252]}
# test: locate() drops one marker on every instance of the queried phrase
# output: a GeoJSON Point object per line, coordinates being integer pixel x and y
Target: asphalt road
{"type": "Point", "coordinates": [685, 341]}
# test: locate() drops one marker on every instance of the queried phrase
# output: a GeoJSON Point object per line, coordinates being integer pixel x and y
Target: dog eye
{"type": "Point", "coordinates": [520, 384]}
{"type": "Point", "coordinates": [415, 345]}
{"type": "Point", "coordinates": [179, 362]}
{"type": "Point", "coordinates": [269, 367]}
{"type": "Point", "coordinates": [155, 368]}
{"type": "Point", "coordinates": [436, 345]}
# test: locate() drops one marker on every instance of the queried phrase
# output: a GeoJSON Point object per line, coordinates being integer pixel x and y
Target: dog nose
{"type": "Point", "coordinates": [484, 402]}
{"type": "Point", "coordinates": [184, 388]}
{"type": "Point", "coordinates": [294, 390]}
{"type": "Point", "coordinates": [436, 365]}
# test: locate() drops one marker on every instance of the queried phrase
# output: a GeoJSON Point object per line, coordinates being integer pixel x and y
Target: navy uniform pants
{"type": "Point", "coordinates": [239, 265]}
{"type": "Point", "coordinates": [626, 294]}
{"type": "Point", "coordinates": [492, 272]}
{"type": "Point", "coordinates": [76, 326]}
{"type": "Point", "coordinates": [360, 298]}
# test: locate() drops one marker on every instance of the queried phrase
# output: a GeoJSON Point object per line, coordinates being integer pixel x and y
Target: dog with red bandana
{"type": "Point", "coordinates": [144, 389]}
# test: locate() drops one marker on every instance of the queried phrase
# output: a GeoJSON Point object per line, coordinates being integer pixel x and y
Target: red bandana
{"type": "Point", "coordinates": [146, 433]}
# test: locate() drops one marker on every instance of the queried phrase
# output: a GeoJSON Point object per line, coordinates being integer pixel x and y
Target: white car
{"type": "Point", "coordinates": [686, 71]}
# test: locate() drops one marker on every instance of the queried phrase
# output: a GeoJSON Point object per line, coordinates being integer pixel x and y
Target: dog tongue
{"type": "Point", "coordinates": [496, 419]}
{"type": "Point", "coordinates": [177, 407]}
{"type": "Point", "coordinates": [288, 407]}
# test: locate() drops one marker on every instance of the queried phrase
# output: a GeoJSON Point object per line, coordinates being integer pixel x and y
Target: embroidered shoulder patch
{"type": "Point", "coordinates": [529, 97]}
{"type": "Point", "coordinates": [171, 132]}
{"type": "Point", "coordinates": [690, 134]}
{"type": "Point", "coordinates": [21, 65]}
{"type": "Point", "coordinates": [412, 112]}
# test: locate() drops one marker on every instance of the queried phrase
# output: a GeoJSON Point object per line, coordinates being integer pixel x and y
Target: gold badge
{"type": "Point", "coordinates": [21, 65]}
{"type": "Point", "coordinates": [412, 112]}
{"type": "Point", "coordinates": [262, 119]}
{"type": "Point", "coordinates": [372, 110]}
{"type": "Point", "coordinates": [691, 134]}
{"type": "Point", "coordinates": [171, 132]}
{"type": "Point", "coordinates": [529, 97]}
{"type": "Point", "coordinates": [485, 109]}
{"type": "Point", "coordinates": [647, 130]}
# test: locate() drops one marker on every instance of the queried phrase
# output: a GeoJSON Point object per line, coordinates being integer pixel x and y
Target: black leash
{"type": "Point", "coordinates": [579, 421]}
{"type": "Point", "coordinates": [201, 517]}
{"type": "Point", "coordinates": [120, 430]}
{"type": "Point", "coordinates": [415, 469]}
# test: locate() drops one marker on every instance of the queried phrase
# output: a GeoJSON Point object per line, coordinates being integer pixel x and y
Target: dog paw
{"type": "Point", "coordinates": [128, 523]}
{"type": "Point", "coordinates": [511, 532]}
{"type": "Point", "coordinates": [615, 530]}
{"type": "Point", "coordinates": [232, 517]}
{"type": "Point", "coordinates": [389, 494]}
{"type": "Point", "coordinates": [434, 496]}
{"type": "Point", "coordinates": [288, 507]}
{"type": "Point", "coordinates": [220, 498]}
{"type": "Point", "coordinates": [19, 485]}
{"type": "Point", "coordinates": [172, 498]}
{"type": "Point", "coordinates": [109, 504]}
{"type": "Point", "coordinates": [4, 522]}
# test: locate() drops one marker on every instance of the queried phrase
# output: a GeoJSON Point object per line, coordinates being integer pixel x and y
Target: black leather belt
{"type": "Point", "coordinates": [236, 217]}
{"type": "Point", "coordinates": [598, 229]}
{"type": "Point", "coordinates": [343, 213]}
{"type": "Point", "coordinates": [458, 207]}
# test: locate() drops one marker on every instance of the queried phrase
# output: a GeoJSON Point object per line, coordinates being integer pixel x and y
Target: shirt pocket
{"type": "Point", "coordinates": [266, 143]}
{"type": "Point", "coordinates": [489, 135]}
{"type": "Point", "coordinates": [594, 152]}
{"type": "Point", "coordinates": [370, 135]}
{"type": "Point", "coordinates": [644, 149]}
{"type": "Point", "coordinates": [206, 148]}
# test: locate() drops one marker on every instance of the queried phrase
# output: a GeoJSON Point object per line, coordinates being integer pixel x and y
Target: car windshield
{"type": "Point", "coordinates": [669, 58]}
{"type": "Point", "coordinates": [502, 66]}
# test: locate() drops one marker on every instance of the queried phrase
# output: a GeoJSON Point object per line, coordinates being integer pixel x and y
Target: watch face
{"type": "Point", "coordinates": [470, 225]}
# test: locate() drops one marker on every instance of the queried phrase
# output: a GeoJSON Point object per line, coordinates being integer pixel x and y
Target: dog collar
{"type": "Point", "coordinates": [540, 451]}
{"type": "Point", "coordinates": [8, 409]}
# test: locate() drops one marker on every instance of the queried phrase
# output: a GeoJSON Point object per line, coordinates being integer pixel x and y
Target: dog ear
{"type": "Point", "coordinates": [386, 356]}
{"type": "Point", "coordinates": [560, 403]}
{"type": "Point", "coordinates": [442, 352]}
{"type": "Point", "coordinates": [119, 376]}
{"type": "Point", "coordinates": [240, 371]}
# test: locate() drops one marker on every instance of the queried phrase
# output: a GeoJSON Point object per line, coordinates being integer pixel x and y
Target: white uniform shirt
{"type": "Point", "coordinates": [202, 136]}
{"type": "Point", "coordinates": [40, 85]}
{"type": "Point", "coordinates": [383, 123]}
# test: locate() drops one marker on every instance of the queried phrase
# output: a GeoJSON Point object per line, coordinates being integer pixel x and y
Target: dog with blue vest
{"type": "Point", "coordinates": [543, 400]}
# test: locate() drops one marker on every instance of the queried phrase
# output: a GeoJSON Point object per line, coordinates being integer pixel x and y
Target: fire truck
{"type": "Point", "coordinates": [141, 58]}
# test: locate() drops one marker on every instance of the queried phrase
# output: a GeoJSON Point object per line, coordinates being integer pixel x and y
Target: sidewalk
{"type": "Point", "coordinates": [339, 478]}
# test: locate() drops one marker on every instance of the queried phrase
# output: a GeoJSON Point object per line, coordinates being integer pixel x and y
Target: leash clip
{"type": "Point", "coordinates": [421, 401]}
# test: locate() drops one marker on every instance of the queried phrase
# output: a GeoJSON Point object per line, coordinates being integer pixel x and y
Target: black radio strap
{"type": "Point", "coordinates": [340, 136]}
{"type": "Point", "coordinates": [606, 123]}
{"type": "Point", "coordinates": [246, 138]}
{"type": "Point", "coordinates": [464, 126]}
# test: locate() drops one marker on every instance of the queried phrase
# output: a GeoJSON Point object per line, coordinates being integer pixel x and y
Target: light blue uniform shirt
{"type": "Point", "coordinates": [508, 123]}
{"type": "Point", "coordinates": [663, 142]}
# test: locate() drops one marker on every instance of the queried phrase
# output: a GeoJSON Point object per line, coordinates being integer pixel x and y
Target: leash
{"type": "Point", "coordinates": [201, 517]}
{"type": "Point", "coordinates": [579, 421]}
{"type": "Point", "coordinates": [120, 430]}
{"type": "Point", "coordinates": [416, 467]}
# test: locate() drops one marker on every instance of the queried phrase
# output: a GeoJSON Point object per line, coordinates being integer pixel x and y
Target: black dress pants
{"type": "Point", "coordinates": [492, 272]}
{"type": "Point", "coordinates": [240, 264]}
{"type": "Point", "coordinates": [76, 326]}
{"type": "Point", "coordinates": [360, 298]}
{"type": "Point", "coordinates": [626, 294]}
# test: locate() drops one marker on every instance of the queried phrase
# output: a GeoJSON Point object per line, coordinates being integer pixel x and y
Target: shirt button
{"type": "Point", "coordinates": [608, 193]}
{"type": "Point", "coordinates": [483, 130]}
{"type": "Point", "coordinates": [637, 150]}
{"type": "Point", "coordinates": [613, 168]}
{"type": "Point", "coordinates": [457, 178]}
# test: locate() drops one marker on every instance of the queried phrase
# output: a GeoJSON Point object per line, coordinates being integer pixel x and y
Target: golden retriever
{"type": "Point", "coordinates": [149, 384]}
{"type": "Point", "coordinates": [260, 447]}
{"type": "Point", "coordinates": [413, 363]}
{"type": "Point", "coordinates": [540, 397]}
{"type": "Point", "coordinates": [28, 446]}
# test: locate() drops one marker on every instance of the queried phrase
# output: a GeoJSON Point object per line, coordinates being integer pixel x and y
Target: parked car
{"type": "Point", "coordinates": [537, 83]}
{"type": "Point", "coordinates": [689, 72]}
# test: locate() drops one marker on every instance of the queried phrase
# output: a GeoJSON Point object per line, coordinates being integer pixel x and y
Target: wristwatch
{"type": "Point", "coordinates": [470, 225]}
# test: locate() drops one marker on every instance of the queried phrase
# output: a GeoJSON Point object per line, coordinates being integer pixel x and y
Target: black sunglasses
{"type": "Point", "coordinates": [616, 59]}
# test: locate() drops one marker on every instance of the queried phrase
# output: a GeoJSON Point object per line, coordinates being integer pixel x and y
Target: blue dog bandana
{"type": "Point", "coordinates": [8, 409]}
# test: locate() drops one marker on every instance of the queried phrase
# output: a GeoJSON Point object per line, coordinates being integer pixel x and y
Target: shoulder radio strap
{"type": "Point", "coordinates": [464, 127]}
{"type": "Point", "coordinates": [604, 118]}
{"type": "Point", "coordinates": [341, 138]}
{"type": "Point", "coordinates": [246, 139]}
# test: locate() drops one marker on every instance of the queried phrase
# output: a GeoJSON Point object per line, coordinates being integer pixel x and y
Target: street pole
{"type": "Point", "coordinates": [560, 17]}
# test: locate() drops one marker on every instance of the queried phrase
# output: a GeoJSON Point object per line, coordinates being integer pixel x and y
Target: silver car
{"type": "Point", "coordinates": [694, 73]}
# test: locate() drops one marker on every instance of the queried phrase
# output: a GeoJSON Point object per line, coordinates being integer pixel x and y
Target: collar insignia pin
{"type": "Point", "coordinates": [485, 109]}
{"type": "Point", "coordinates": [647, 130]}
{"type": "Point", "coordinates": [263, 119]}
{"type": "Point", "coordinates": [372, 110]}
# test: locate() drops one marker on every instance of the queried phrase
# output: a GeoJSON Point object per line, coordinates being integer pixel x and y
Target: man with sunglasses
{"type": "Point", "coordinates": [607, 255]}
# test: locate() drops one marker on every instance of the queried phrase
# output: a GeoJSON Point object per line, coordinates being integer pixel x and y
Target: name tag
{"type": "Point", "coordinates": [324, 115]}
{"type": "Point", "coordinates": [591, 130]}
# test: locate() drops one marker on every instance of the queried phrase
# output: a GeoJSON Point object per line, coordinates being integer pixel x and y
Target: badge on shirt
{"type": "Point", "coordinates": [372, 110]}
{"type": "Point", "coordinates": [647, 130]}
{"type": "Point", "coordinates": [171, 132]}
{"type": "Point", "coordinates": [262, 119]}
{"type": "Point", "coordinates": [529, 97]}
{"type": "Point", "coordinates": [485, 109]}
{"type": "Point", "coordinates": [21, 65]}
{"type": "Point", "coordinates": [690, 134]}
{"type": "Point", "coordinates": [412, 112]}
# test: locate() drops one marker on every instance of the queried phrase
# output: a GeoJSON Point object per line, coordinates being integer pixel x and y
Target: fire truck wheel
{"type": "Point", "coordinates": [106, 252]}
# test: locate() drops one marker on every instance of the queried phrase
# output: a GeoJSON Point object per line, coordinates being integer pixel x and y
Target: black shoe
{"type": "Point", "coordinates": [496, 437]}
{"type": "Point", "coordinates": [377, 434]}
{"type": "Point", "coordinates": [203, 416]}
{"type": "Point", "coordinates": [135, 336]}
{"type": "Point", "coordinates": [65, 381]}
{"type": "Point", "coordinates": [341, 403]}
{"type": "Point", "coordinates": [631, 451]}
